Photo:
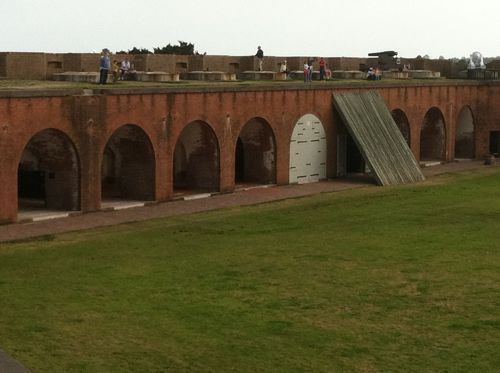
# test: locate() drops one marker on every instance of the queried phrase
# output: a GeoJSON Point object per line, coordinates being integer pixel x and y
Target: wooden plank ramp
{"type": "Point", "coordinates": [378, 138]}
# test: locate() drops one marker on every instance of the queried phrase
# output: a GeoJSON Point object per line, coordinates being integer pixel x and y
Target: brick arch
{"type": "Point", "coordinates": [465, 134]}
{"type": "Point", "coordinates": [433, 136]}
{"type": "Point", "coordinates": [255, 153]}
{"type": "Point", "coordinates": [49, 172]}
{"type": "Point", "coordinates": [128, 165]}
{"type": "Point", "coordinates": [403, 124]}
{"type": "Point", "coordinates": [196, 159]}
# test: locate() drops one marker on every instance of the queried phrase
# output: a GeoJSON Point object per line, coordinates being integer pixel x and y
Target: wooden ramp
{"type": "Point", "coordinates": [378, 138]}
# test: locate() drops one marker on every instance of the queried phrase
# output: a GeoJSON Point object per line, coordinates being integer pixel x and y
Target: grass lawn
{"type": "Point", "coordinates": [375, 280]}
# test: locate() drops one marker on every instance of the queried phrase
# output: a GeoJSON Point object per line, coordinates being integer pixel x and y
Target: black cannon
{"type": "Point", "coordinates": [387, 60]}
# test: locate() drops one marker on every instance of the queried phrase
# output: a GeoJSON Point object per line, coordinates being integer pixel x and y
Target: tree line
{"type": "Point", "coordinates": [183, 48]}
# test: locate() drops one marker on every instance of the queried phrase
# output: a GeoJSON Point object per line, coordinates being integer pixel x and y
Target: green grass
{"type": "Point", "coordinates": [375, 280]}
{"type": "Point", "coordinates": [7, 84]}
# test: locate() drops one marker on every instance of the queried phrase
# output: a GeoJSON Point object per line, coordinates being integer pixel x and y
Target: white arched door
{"type": "Point", "coordinates": [308, 151]}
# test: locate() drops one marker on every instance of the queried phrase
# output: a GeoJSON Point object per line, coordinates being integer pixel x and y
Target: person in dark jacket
{"type": "Point", "coordinates": [104, 66]}
{"type": "Point", "coordinates": [260, 56]}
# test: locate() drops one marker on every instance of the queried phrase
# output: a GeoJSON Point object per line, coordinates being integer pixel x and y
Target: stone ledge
{"type": "Point", "coordinates": [424, 74]}
{"type": "Point", "coordinates": [156, 76]}
{"type": "Point", "coordinates": [79, 77]}
{"type": "Point", "coordinates": [395, 74]}
{"type": "Point", "coordinates": [354, 74]}
{"type": "Point", "coordinates": [209, 76]}
{"type": "Point", "coordinates": [257, 75]}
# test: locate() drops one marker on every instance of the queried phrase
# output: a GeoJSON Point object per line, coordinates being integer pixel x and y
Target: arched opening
{"type": "Point", "coordinates": [433, 137]}
{"type": "Point", "coordinates": [403, 124]}
{"type": "Point", "coordinates": [307, 151]}
{"type": "Point", "coordinates": [255, 154]}
{"type": "Point", "coordinates": [196, 160]}
{"type": "Point", "coordinates": [464, 135]}
{"type": "Point", "coordinates": [355, 162]}
{"type": "Point", "coordinates": [49, 173]}
{"type": "Point", "coordinates": [128, 166]}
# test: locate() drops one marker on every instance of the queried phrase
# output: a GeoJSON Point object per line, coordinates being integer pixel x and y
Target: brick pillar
{"type": "Point", "coordinates": [8, 192]}
{"type": "Point", "coordinates": [8, 176]}
{"type": "Point", "coordinates": [88, 113]}
{"type": "Point", "coordinates": [283, 153]}
{"type": "Point", "coordinates": [226, 158]}
{"type": "Point", "coordinates": [164, 161]}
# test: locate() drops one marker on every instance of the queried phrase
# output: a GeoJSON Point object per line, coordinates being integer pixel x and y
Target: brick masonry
{"type": "Point", "coordinates": [159, 116]}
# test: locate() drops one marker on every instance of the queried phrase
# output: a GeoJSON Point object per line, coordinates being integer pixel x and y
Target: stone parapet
{"type": "Point", "coordinates": [156, 76]}
{"type": "Point", "coordinates": [395, 75]}
{"type": "Point", "coordinates": [209, 76]}
{"type": "Point", "coordinates": [341, 74]}
{"type": "Point", "coordinates": [424, 74]}
{"type": "Point", "coordinates": [257, 75]}
{"type": "Point", "coordinates": [79, 77]}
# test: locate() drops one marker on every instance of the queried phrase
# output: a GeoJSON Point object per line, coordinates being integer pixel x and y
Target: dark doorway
{"type": "Point", "coordinates": [403, 124]}
{"type": "Point", "coordinates": [433, 137]}
{"type": "Point", "coordinates": [255, 154]}
{"type": "Point", "coordinates": [464, 135]}
{"type": "Point", "coordinates": [128, 166]}
{"type": "Point", "coordinates": [239, 166]}
{"type": "Point", "coordinates": [355, 161]}
{"type": "Point", "coordinates": [495, 143]}
{"type": "Point", "coordinates": [196, 160]}
{"type": "Point", "coordinates": [49, 173]}
{"type": "Point", "coordinates": [31, 185]}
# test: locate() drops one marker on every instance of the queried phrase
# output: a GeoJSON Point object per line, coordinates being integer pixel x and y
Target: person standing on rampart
{"type": "Point", "coordinates": [104, 66]}
{"type": "Point", "coordinates": [322, 65]}
{"type": "Point", "coordinates": [310, 62]}
{"type": "Point", "coordinates": [260, 56]}
{"type": "Point", "coordinates": [306, 72]}
{"type": "Point", "coordinates": [284, 69]}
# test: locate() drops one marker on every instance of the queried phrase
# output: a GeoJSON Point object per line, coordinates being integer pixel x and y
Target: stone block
{"type": "Point", "coordinates": [156, 76]}
{"type": "Point", "coordinates": [209, 76]}
{"type": "Point", "coordinates": [395, 74]}
{"type": "Point", "coordinates": [79, 77]}
{"type": "Point", "coordinates": [424, 74]}
{"type": "Point", "coordinates": [342, 74]}
{"type": "Point", "coordinates": [257, 75]}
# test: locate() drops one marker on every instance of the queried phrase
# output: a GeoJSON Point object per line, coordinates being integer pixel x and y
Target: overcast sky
{"type": "Point", "coordinates": [449, 28]}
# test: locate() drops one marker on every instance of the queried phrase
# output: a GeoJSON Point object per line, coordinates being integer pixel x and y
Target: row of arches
{"type": "Point", "coordinates": [49, 169]}
{"type": "Point", "coordinates": [433, 134]}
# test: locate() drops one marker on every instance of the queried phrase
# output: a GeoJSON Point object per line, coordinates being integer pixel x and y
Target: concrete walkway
{"type": "Point", "coordinates": [9, 365]}
{"type": "Point", "coordinates": [250, 196]}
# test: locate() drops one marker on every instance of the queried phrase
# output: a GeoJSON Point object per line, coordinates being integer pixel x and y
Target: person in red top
{"type": "Point", "coordinates": [322, 65]}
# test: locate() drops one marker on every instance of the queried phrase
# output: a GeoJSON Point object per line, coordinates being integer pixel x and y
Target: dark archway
{"type": "Point", "coordinates": [128, 166]}
{"type": "Point", "coordinates": [49, 173]}
{"type": "Point", "coordinates": [196, 159]}
{"type": "Point", "coordinates": [433, 136]}
{"type": "Point", "coordinates": [403, 124]}
{"type": "Point", "coordinates": [255, 154]}
{"type": "Point", "coordinates": [464, 135]}
{"type": "Point", "coordinates": [355, 162]}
